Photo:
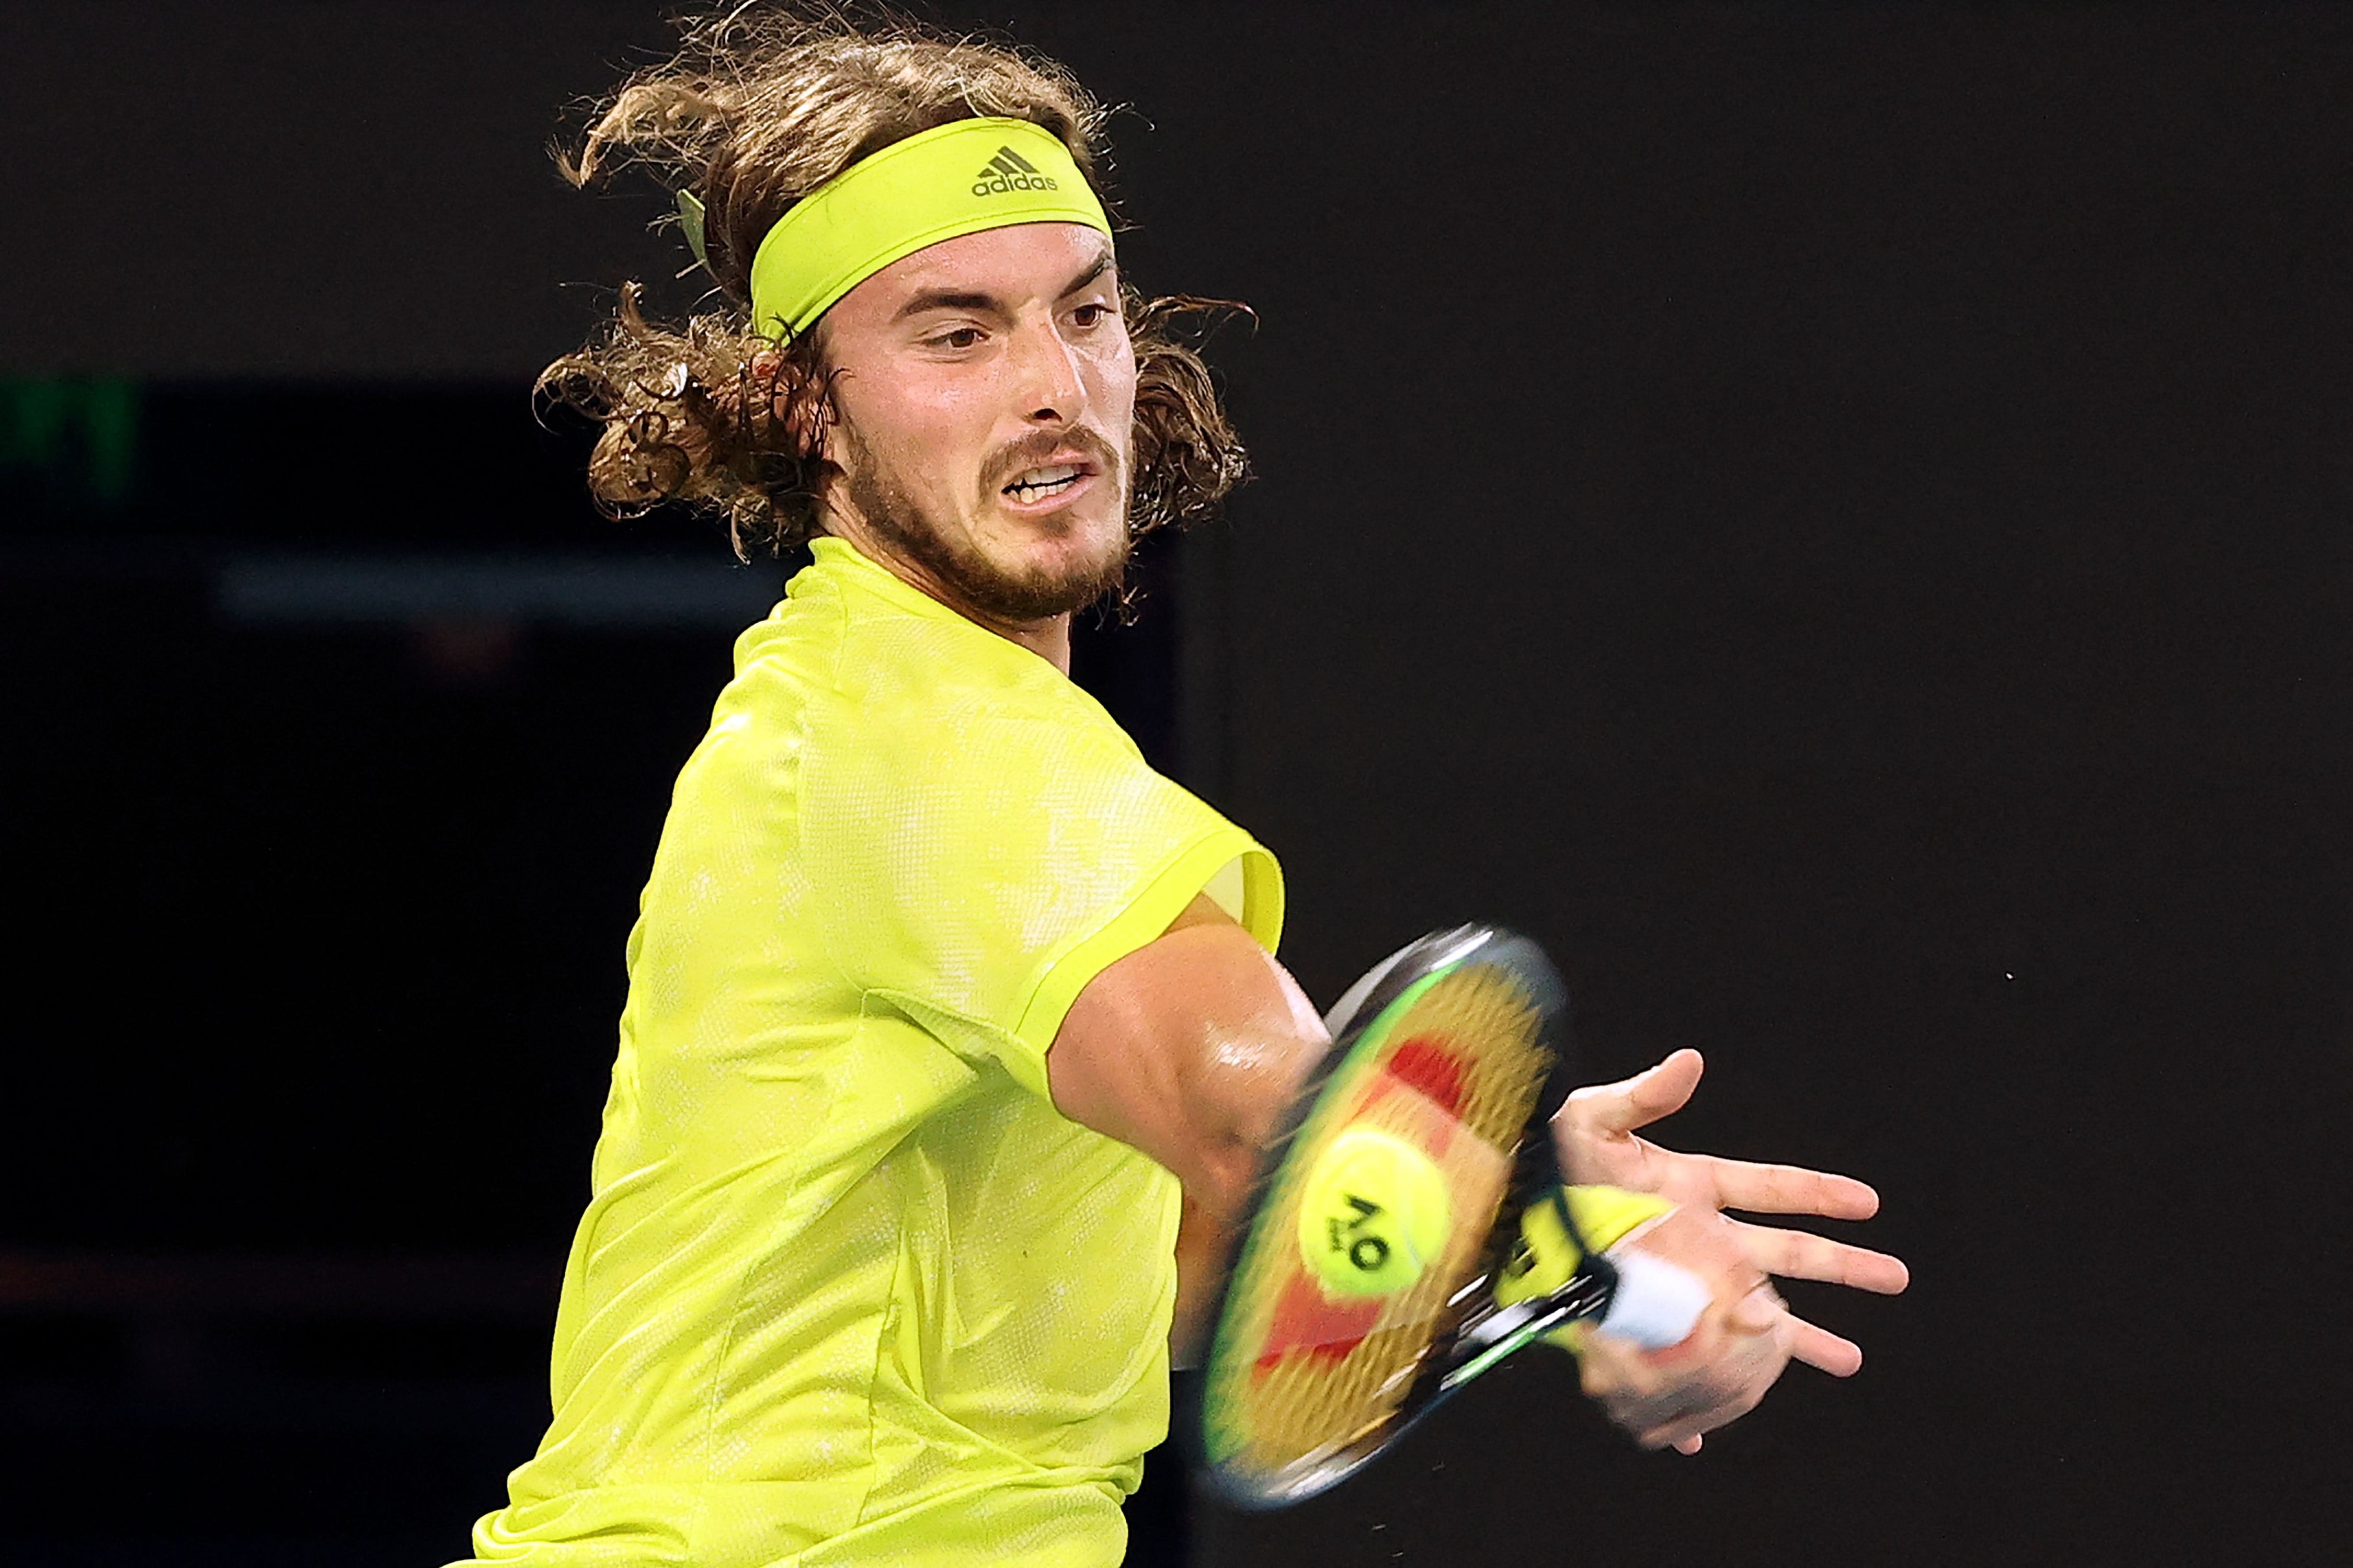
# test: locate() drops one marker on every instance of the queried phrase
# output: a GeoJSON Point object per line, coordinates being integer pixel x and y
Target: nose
{"type": "Point", "coordinates": [1046, 374]}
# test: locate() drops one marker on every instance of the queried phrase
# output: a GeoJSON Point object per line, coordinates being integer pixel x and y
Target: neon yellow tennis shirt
{"type": "Point", "coordinates": [850, 1289]}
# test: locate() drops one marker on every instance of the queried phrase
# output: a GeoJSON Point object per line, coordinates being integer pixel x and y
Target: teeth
{"type": "Point", "coordinates": [1039, 481]}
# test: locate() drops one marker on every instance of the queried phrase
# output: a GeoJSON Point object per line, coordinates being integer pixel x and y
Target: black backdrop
{"type": "Point", "coordinates": [1832, 518]}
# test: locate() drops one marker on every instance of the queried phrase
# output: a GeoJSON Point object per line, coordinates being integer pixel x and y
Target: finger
{"type": "Point", "coordinates": [1637, 1101]}
{"type": "Point", "coordinates": [1758, 1311]}
{"type": "Point", "coordinates": [1608, 1369]}
{"type": "Point", "coordinates": [1822, 1349]}
{"type": "Point", "coordinates": [1798, 1254]}
{"type": "Point", "coordinates": [1675, 1417]}
{"type": "Point", "coordinates": [1694, 1417]}
{"type": "Point", "coordinates": [1787, 1189]}
{"type": "Point", "coordinates": [1689, 1445]}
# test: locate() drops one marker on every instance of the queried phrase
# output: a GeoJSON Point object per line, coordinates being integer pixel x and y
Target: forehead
{"type": "Point", "coordinates": [1013, 266]}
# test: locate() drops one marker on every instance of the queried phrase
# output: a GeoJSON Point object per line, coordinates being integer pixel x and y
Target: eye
{"type": "Point", "coordinates": [1089, 316]}
{"type": "Point", "coordinates": [957, 338]}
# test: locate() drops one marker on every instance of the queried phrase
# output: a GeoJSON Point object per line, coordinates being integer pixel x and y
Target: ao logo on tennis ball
{"type": "Point", "coordinates": [1374, 1214]}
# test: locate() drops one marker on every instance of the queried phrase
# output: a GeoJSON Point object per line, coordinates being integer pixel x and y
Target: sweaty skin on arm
{"type": "Point", "coordinates": [1187, 1049]}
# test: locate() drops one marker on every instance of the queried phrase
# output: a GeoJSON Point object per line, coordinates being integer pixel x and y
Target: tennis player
{"type": "Point", "coordinates": [953, 1030]}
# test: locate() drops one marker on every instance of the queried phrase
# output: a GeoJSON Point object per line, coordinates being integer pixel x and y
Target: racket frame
{"type": "Point", "coordinates": [1477, 1333]}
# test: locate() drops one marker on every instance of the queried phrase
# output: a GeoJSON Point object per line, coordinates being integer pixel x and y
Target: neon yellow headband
{"type": "Point", "coordinates": [955, 179]}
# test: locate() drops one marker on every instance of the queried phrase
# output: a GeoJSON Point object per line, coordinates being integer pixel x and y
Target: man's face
{"type": "Point", "coordinates": [987, 391]}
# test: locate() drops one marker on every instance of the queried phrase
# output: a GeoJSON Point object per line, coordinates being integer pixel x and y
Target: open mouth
{"type": "Point", "coordinates": [1042, 484]}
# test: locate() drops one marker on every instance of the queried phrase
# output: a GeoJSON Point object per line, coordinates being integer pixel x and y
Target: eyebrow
{"type": "Point", "coordinates": [1101, 264]}
{"type": "Point", "coordinates": [966, 299]}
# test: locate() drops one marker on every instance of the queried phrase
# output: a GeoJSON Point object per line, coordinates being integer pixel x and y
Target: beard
{"type": "Point", "coordinates": [984, 585]}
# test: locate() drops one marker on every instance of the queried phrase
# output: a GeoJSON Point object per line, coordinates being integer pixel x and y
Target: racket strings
{"type": "Point", "coordinates": [1305, 1401]}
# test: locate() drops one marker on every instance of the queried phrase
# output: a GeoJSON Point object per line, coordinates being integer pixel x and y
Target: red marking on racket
{"type": "Point", "coordinates": [1307, 1319]}
{"type": "Point", "coordinates": [1430, 1069]}
{"type": "Point", "coordinates": [1424, 1063]}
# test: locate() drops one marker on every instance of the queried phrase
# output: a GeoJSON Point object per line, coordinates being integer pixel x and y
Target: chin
{"type": "Point", "coordinates": [1059, 541]}
{"type": "Point", "coordinates": [1056, 575]}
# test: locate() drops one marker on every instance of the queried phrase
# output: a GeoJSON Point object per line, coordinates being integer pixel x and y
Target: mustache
{"type": "Point", "coordinates": [1033, 450]}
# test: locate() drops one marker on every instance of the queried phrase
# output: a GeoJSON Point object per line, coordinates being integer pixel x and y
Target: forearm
{"type": "Point", "coordinates": [1202, 1242]}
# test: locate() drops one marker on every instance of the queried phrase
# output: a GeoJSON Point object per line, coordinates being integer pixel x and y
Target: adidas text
{"type": "Point", "coordinates": [1009, 171]}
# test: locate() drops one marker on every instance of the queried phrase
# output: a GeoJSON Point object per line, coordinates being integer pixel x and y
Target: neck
{"type": "Point", "coordinates": [1049, 638]}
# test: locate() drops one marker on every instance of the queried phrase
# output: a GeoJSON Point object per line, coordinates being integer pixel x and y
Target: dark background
{"type": "Point", "coordinates": [1835, 518]}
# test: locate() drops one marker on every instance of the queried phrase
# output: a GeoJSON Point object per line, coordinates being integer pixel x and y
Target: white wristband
{"type": "Point", "coordinates": [1657, 1304]}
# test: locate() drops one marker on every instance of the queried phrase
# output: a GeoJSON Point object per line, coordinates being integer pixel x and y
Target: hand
{"type": "Point", "coordinates": [1719, 1372]}
{"type": "Point", "coordinates": [1595, 1132]}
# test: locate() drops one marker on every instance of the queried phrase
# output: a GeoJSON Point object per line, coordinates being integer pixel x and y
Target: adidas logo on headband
{"type": "Point", "coordinates": [1009, 171]}
{"type": "Point", "coordinates": [912, 194]}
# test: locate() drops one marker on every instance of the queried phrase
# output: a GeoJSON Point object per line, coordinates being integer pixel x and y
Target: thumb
{"type": "Point", "coordinates": [1637, 1101]}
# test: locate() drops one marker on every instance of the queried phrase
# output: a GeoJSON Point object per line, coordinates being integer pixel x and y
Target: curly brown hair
{"type": "Point", "coordinates": [759, 109]}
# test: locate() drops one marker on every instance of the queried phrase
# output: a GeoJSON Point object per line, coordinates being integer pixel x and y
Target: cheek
{"type": "Point", "coordinates": [1110, 388]}
{"type": "Point", "coordinates": [919, 426]}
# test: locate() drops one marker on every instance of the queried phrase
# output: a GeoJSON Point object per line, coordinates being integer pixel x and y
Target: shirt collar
{"type": "Point", "coordinates": [839, 555]}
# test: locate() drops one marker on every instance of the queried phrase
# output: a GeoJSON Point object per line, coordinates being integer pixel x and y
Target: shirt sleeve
{"type": "Point", "coordinates": [976, 870]}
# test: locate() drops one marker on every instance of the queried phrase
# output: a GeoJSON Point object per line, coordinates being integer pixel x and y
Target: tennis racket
{"type": "Point", "coordinates": [1402, 1193]}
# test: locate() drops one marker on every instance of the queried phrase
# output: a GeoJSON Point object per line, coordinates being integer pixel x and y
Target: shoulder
{"type": "Point", "coordinates": [931, 712]}
{"type": "Point", "coordinates": [801, 639]}
{"type": "Point", "coordinates": [782, 686]}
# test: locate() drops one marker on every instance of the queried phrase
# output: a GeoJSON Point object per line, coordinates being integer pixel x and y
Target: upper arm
{"type": "Point", "coordinates": [1028, 848]}
{"type": "Point", "coordinates": [1187, 1049]}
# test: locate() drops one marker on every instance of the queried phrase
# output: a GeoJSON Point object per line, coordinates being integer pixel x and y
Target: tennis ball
{"type": "Point", "coordinates": [1373, 1216]}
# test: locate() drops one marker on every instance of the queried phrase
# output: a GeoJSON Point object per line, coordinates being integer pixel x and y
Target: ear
{"type": "Point", "coordinates": [818, 429]}
{"type": "Point", "coordinates": [794, 401]}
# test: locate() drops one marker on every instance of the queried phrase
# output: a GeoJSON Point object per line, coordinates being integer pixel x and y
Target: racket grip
{"type": "Point", "coordinates": [1654, 1303]}
{"type": "Point", "coordinates": [1657, 1303]}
